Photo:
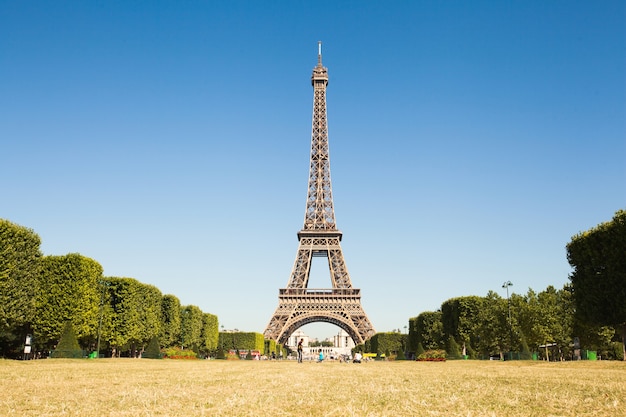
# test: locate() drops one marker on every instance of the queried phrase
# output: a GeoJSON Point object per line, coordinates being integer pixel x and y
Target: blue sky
{"type": "Point", "coordinates": [170, 142]}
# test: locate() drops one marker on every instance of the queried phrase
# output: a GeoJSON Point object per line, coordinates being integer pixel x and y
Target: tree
{"type": "Point", "coordinates": [69, 291]}
{"type": "Point", "coordinates": [599, 276]}
{"type": "Point", "coordinates": [150, 313]}
{"type": "Point", "coordinates": [209, 333]}
{"type": "Point", "coordinates": [170, 313]}
{"type": "Point", "coordinates": [544, 318]}
{"type": "Point", "coordinates": [493, 330]}
{"type": "Point", "coordinates": [597, 338]}
{"type": "Point", "coordinates": [429, 330]}
{"type": "Point", "coordinates": [529, 313]}
{"type": "Point", "coordinates": [388, 342]}
{"type": "Point", "coordinates": [19, 270]}
{"type": "Point", "coordinates": [557, 313]}
{"type": "Point", "coordinates": [191, 327]}
{"type": "Point", "coordinates": [459, 318]}
{"type": "Point", "coordinates": [136, 314]}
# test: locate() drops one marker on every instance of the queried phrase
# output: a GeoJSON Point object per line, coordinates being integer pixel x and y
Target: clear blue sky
{"type": "Point", "coordinates": [169, 141]}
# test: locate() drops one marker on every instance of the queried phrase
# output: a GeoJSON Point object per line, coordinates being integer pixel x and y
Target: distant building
{"type": "Point", "coordinates": [343, 340]}
{"type": "Point", "coordinates": [342, 345]}
{"type": "Point", "coordinates": [293, 340]}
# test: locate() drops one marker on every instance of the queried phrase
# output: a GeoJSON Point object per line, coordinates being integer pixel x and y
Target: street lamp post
{"type": "Point", "coordinates": [506, 285]}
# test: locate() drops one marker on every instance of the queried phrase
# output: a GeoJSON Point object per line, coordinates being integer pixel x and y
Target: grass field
{"type": "Point", "coordinates": [143, 387]}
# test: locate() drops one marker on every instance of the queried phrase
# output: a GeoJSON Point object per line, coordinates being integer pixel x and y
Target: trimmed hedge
{"type": "Point", "coordinates": [387, 342]}
{"type": "Point", "coordinates": [241, 340]}
{"type": "Point", "coordinates": [153, 351]}
{"type": "Point", "coordinates": [68, 345]}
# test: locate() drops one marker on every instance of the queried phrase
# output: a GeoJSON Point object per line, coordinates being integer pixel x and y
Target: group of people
{"type": "Point", "coordinates": [301, 348]}
{"type": "Point", "coordinates": [357, 357]}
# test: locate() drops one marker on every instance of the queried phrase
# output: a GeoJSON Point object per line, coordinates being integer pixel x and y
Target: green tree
{"type": "Point", "coordinates": [170, 313]}
{"type": "Point", "coordinates": [123, 310]}
{"type": "Point", "coordinates": [191, 327]}
{"type": "Point", "coordinates": [529, 314]}
{"type": "Point", "coordinates": [545, 318]}
{"type": "Point", "coordinates": [594, 337]}
{"type": "Point", "coordinates": [599, 276]}
{"type": "Point", "coordinates": [135, 315]}
{"type": "Point", "coordinates": [429, 330]}
{"type": "Point", "coordinates": [412, 336]}
{"type": "Point", "coordinates": [388, 342]}
{"type": "Point", "coordinates": [459, 317]}
{"type": "Point", "coordinates": [69, 291]}
{"type": "Point", "coordinates": [493, 330]}
{"type": "Point", "coordinates": [557, 316]}
{"type": "Point", "coordinates": [210, 330]}
{"type": "Point", "coordinates": [19, 271]}
{"type": "Point", "coordinates": [150, 313]}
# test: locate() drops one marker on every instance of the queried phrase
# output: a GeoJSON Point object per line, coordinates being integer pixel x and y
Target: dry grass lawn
{"type": "Point", "coordinates": [143, 387]}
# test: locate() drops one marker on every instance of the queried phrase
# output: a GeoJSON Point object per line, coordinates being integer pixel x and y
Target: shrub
{"type": "Point", "coordinates": [232, 356]}
{"type": "Point", "coordinates": [68, 345]}
{"type": "Point", "coordinates": [525, 354]}
{"type": "Point", "coordinates": [419, 350]}
{"type": "Point", "coordinates": [400, 356]}
{"type": "Point", "coordinates": [453, 349]}
{"type": "Point", "coordinates": [153, 350]}
{"type": "Point", "coordinates": [176, 353]}
{"type": "Point", "coordinates": [435, 355]}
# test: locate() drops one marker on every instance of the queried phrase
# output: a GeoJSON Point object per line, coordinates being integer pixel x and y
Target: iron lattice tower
{"type": "Point", "coordinates": [297, 304]}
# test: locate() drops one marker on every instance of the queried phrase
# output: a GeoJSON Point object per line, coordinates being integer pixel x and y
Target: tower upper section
{"type": "Point", "coordinates": [319, 215]}
{"type": "Point", "coordinates": [320, 73]}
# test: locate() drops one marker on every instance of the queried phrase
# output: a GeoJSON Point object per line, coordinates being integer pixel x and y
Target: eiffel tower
{"type": "Point", "coordinates": [297, 304]}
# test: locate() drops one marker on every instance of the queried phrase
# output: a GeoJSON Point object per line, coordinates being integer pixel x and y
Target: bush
{"type": "Point", "coordinates": [453, 349]}
{"type": "Point", "coordinates": [176, 353]}
{"type": "Point", "coordinates": [419, 350]}
{"type": "Point", "coordinates": [153, 351]}
{"type": "Point", "coordinates": [68, 345]}
{"type": "Point", "coordinates": [435, 355]}
{"type": "Point", "coordinates": [230, 356]}
{"type": "Point", "coordinates": [525, 354]}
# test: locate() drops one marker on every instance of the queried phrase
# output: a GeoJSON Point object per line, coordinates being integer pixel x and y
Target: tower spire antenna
{"type": "Point", "coordinates": [319, 53]}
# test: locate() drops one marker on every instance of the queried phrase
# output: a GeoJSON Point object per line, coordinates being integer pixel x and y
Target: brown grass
{"type": "Point", "coordinates": [143, 387]}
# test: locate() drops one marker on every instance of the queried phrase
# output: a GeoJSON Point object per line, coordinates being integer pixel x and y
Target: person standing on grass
{"type": "Point", "coordinates": [300, 350]}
